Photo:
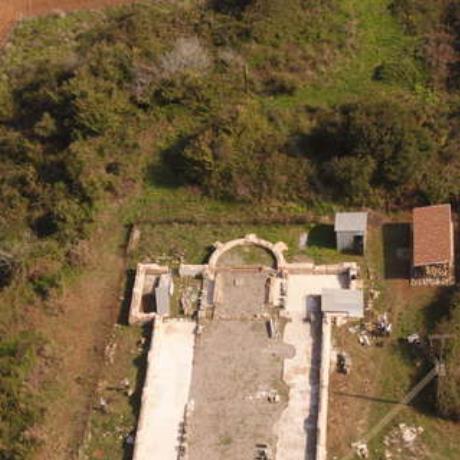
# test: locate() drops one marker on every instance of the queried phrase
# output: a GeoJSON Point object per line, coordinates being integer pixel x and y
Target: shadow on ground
{"type": "Point", "coordinates": [165, 172]}
{"type": "Point", "coordinates": [396, 250]}
{"type": "Point", "coordinates": [123, 314]}
{"type": "Point", "coordinates": [322, 236]}
{"type": "Point", "coordinates": [140, 362]}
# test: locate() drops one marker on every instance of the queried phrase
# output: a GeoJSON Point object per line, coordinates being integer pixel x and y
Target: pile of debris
{"type": "Point", "coordinates": [266, 394]}
{"type": "Point", "coordinates": [343, 362]}
{"type": "Point", "coordinates": [383, 325]}
{"type": "Point", "coordinates": [403, 443]}
{"type": "Point", "coordinates": [364, 332]}
{"type": "Point", "coordinates": [374, 294]}
{"type": "Point", "coordinates": [263, 452]}
{"type": "Point", "coordinates": [361, 449]}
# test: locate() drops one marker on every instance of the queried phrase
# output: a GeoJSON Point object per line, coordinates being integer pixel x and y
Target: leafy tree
{"type": "Point", "coordinates": [352, 177]}
{"type": "Point", "coordinates": [240, 156]}
{"type": "Point", "coordinates": [98, 105]}
{"type": "Point", "coordinates": [383, 138]}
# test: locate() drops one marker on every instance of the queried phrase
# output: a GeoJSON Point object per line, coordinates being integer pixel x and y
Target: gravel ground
{"type": "Point", "coordinates": [235, 362]}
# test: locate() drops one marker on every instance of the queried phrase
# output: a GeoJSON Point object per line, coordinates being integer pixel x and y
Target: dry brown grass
{"type": "Point", "coordinates": [78, 324]}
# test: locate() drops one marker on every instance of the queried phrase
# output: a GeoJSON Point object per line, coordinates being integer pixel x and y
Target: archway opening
{"type": "Point", "coordinates": [247, 255]}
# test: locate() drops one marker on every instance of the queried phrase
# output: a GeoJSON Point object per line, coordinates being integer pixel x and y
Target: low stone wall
{"type": "Point", "coordinates": [136, 313]}
{"type": "Point", "coordinates": [312, 269]}
{"type": "Point", "coordinates": [321, 435]}
{"type": "Point", "coordinates": [276, 249]}
{"type": "Point", "coordinates": [192, 270]}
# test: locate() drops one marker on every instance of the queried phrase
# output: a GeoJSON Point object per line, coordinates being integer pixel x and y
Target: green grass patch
{"type": "Point", "coordinates": [379, 39]}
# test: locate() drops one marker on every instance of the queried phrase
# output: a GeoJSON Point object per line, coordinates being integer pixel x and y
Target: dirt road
{"type": "Point", "coordinates": [77, 326]}
{"type": "Point", "coordinates": [14, 10]}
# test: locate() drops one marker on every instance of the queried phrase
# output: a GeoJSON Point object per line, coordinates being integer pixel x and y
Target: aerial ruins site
{"type": "Point", "coordinates": [244, 373]}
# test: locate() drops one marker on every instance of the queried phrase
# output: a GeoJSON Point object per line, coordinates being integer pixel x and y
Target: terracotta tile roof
{"type": "Point", "coordinates": [432, 235]}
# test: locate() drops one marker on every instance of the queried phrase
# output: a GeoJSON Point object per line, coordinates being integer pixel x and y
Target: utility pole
{"type": "Point", "coordinates": [438, 356]}
{"type": "Point", "coordinates": [246, 78]}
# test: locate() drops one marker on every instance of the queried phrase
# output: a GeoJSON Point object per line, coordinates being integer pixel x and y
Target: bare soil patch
{"type": "Point", "coordinates": [12, 11]}
{"type": "Point", "coordinates": [78, 325]}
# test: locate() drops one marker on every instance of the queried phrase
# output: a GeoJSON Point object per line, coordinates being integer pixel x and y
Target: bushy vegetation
{"type": "Point", "coordinates": [435, 24]}
{"type": "Point", "coordinates": [93, 103]}
{"type": "Point", "coordinates": [242, 156]}
{"type": "Point", "coordinates": [16, 360]}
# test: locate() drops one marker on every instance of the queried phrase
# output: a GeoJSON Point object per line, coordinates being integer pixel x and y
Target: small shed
{"type": "Point", "coordinates": [351, 231]}
{"type": "Point", "coordinates": [433, 246]}
{"type": "Point", "coordinates": [343, 302]}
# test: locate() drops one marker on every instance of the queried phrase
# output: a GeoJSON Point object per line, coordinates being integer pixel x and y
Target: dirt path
{"type": "Point", "coordinates": [14, 10]}
{"type": "Point", "coordinates": [78, 328]}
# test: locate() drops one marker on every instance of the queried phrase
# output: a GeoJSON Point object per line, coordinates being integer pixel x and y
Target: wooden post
{"type": "Point", "coordinates": [246, 85]}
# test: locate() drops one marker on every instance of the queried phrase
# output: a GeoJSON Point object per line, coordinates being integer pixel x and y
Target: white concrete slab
{"type": "Point", "coordinates": [166, 390]}
{"type": "Point", "coordinates": [296, 428]}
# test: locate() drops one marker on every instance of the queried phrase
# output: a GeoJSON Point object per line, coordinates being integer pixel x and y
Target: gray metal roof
{"type": "Point", "coordinates": [350, 222]}
{"type": "Point", "coordinates": [343, 301]}
{"type": "Point", "coordinates": [165, 280]}
{"type": "Point", "coordinates": [162, 300]}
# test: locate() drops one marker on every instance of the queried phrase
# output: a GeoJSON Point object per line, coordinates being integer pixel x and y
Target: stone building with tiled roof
{"type": "Point", "coordinates": [432, 246]}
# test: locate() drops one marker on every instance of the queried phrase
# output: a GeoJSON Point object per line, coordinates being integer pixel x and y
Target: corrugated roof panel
{"type": "Point", "coordinates": [345, 301]}
{"type": "Point", "coordinates": [350, 222]}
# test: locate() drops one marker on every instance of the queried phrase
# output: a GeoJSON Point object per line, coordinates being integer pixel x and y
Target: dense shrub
{"type": "Point", "coordinates": [7, 268]}
{"type": "Point", "coordinates": [435, 24]}
{"type": "Point", "coordinates": [240, 156]}
{"type": "Point", "coordinates": [235, 7]}
{"type": "Point", "coordinates": [17, 357]}
{"type": "Point", "coordinates": [403, 72]}
{"type": "Point", "coordinates": [418, 16]}
{"type": "Point", "coordinates": [378, 143]}
{"type": "Point", "coordinates": [352, 175]}
{"type": "Point", "coordinates": [281, 84]}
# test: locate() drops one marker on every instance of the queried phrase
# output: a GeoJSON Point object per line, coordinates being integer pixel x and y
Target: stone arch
{"type": "Point", "coordinates": [276, 250]}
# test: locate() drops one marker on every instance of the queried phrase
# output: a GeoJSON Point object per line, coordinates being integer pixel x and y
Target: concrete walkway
{"type": "Point", "coordinates": [166, 390]}
{"type": "Point", "coordinates": [297, 425]}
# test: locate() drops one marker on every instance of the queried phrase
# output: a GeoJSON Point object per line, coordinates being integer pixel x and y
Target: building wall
{"type": "Point", "coordinates": [345, 240]}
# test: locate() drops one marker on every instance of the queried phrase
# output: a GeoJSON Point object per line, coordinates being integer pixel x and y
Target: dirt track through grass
{"type": "Point", "coordinates": [79, 326]}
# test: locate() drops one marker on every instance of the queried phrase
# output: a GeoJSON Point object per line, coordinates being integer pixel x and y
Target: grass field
{"type": "Point", "coordinates": [378, 39]}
